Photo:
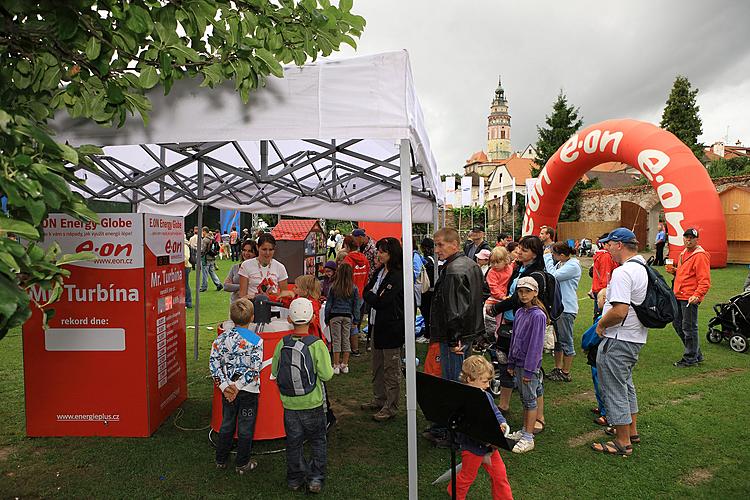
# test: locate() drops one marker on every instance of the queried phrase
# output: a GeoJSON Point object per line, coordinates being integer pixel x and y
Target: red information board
{"type": "Point", "coordinates": [111, 361]}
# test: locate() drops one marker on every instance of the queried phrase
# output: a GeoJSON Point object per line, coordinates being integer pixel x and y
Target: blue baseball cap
{"type": "Point", "coordinates": [621, 234]}
{"type": "Point", "coordinates": [358, 232]}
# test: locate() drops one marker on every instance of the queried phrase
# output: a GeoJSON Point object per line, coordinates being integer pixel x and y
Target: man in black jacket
{"type": "Point", "coordinates": [456, 316]}
{"type": "Point", "coordinates": [477, 243]}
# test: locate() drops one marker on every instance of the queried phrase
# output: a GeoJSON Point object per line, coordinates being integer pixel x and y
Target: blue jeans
{"type": "Point", "coordinates": [597, 392]}
{"type": "Point", "coordinates": [686, 326]}
{"type": "Point", "coordinates": [451, 362]}
{"type": "Point", "coordinates": [239, 414]}
{"type": "Point", "coordinates": [564, 331]}
{"type": "Point", "coordinates": [188, 294]}
{"type": "Point", "coordinates": [301, 425]}
{"type": "Point", "coordinates": [209, 269]}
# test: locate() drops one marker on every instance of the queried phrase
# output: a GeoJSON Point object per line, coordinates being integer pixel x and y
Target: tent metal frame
{"type": "Point", "coordinates": [334, 170]}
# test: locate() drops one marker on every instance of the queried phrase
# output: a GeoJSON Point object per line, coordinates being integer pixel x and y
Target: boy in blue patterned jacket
{"type": "Point", "coordinates": [235, 364]}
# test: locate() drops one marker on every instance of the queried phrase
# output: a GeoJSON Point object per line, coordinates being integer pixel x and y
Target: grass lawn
{"type": "Point", "coordinates": [692, 422]}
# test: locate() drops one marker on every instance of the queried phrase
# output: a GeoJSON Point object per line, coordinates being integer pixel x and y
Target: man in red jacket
{"type": "Point", "coordinates": [691, 284]}
{"type": "Point", "coordinates": [600, 272]}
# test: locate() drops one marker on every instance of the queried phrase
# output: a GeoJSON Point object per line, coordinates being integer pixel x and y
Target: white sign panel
{"type": "Point", "coordinates": [465, 191]}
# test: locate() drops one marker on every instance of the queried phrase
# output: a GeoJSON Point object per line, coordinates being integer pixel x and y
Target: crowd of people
{"type": "Point", "coordinates": [511, 301]}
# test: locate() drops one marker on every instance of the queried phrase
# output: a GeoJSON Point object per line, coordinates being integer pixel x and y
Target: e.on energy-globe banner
{"type": "Point", "coordinates": [95, 369]}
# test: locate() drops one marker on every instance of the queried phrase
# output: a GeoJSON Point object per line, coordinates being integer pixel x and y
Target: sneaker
{"type": "Point", "coordinates": [555, 375]}
{"type": "Point", "coordinates": [221, 466]}
{"type": "Point", "coordinates": [684, 364]}
{"type": "Point", "coordinates": [565, 377]}
{"type": "Point", "coordinates": [219, 288]}
{"type": "Point", "coordinates": [249, 466]}
{"type": "Point", "coordinates": [203, 289]}
{"type": "Point", "coordinates": [344, 368]}
{"type": "Point", "coordinates": [515, 436]}
{"type": "Point", "coordinates": [356, 354]}
{"type": "Point", "coordinates": [523, 446]}
{"type": "Point", "coordinates": [371, 406]}
{"type": "Point", "coordinates": [315, 486]}
{"type": "Point", "coordinates": [336, 370]}
{"type": "Point", "coordinates": [383, 415]}
{"type": "Point", "coordinates": [422, 340]}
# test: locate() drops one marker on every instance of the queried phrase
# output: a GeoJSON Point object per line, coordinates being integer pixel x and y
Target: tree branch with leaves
{"type": "Point", "coordinates": [96, 59]}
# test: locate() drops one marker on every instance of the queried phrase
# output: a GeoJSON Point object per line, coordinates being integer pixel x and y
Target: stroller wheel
{"type": "Point", "coordinates": [714, 336]}
{"type": "Point", "coordinates": [738, 343]}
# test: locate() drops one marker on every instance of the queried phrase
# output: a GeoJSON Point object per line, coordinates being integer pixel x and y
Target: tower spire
{"type": "Point", "coordinates": [498, 125]}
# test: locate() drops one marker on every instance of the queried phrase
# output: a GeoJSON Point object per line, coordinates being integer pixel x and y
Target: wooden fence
{"type": "Point", "coordinates": [590, 230]}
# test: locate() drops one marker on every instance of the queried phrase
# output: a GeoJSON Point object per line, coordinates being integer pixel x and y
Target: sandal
{"type": "Point", "coordinates": [601, 421]}
{"type": "Point", "coordinates": [635, 438]}
{"type": "Point", "coordinates": [612, 448]}
{"type": "Point", "coordinates": [538, 430]}
{"type": "Point", "coordinates": [596, 411]}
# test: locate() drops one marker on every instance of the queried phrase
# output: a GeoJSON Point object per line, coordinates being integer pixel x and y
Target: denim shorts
{"type": "Point", "coordinates": [564, 331]}
{"type": "Point", "coordinates": [530, 391]}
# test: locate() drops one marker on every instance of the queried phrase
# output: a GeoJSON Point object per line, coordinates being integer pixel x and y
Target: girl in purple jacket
{"type": "Point", "coordinates": [525, 358]}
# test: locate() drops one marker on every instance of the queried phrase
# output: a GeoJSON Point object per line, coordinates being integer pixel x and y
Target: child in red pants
{"type": "Point", "coordinates": [477, 372]}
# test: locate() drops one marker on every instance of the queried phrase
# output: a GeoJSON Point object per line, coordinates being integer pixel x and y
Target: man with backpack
{"type": "Point", "coordinates": [623, 337]}
{"type": "Point", "coordinates": [691, 284]}
{"type": "Point", "coordinates": [209, 252]}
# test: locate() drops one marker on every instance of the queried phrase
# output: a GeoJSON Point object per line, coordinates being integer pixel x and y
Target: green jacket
{"type": "Point", "coordinates": [323, 369]}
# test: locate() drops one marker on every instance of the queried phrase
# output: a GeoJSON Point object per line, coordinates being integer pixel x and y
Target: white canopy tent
{"type": "Point", "coordinates": [341, 139]}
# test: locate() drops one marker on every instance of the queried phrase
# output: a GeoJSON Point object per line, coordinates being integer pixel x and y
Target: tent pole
{"type": "Point", "coordinates": [435, 222]}
{"type": "Point", "coordinates": [411, 366]}
{"type": "Point", "coordinates": [198, 263]}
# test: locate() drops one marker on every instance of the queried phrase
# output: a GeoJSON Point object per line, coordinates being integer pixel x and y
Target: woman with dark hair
{"type": "Point", "coordinates": [249, 250]}
{"type": "Point", "coordinates": [385, 293]}
{"type": "Point", "coordinates": [530, 252]}
{"type": "Point", "coordinates": [263, 274]}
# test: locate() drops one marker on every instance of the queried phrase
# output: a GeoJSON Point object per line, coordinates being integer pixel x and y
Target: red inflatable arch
{"type": "Point", "coordinates": [684, 188]}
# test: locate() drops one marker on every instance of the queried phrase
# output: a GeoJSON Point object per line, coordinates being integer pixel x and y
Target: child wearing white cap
{"type": "Point", "coordinates": [525, 358]}
{"type": "Point", "coordinates": [301, 364]}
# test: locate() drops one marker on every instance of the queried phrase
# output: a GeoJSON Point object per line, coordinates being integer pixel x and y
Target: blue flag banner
{"type": "Point", "coordinates": [228, 219]}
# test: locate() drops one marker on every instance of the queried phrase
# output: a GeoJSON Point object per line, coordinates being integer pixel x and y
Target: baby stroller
{"type": "Point", "coordinates": [732, 322]}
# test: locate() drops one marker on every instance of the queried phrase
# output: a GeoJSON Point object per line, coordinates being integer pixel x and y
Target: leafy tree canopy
{"type": "Point", "coordinates": [96, 59]}
{"type": "Point", "coordinates": [681, 117]}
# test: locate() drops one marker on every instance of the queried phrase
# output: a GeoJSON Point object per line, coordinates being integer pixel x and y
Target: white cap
{"type": "Point", "coordinates": [300, 311]}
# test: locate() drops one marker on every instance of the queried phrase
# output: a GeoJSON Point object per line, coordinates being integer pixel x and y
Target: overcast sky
{"type": "Point", "coordinates": [613, 59]}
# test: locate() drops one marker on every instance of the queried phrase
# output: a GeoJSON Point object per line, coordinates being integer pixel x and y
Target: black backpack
{"type": "Point", "coordinates": [296, 374]}
{"type": "Point", "coordinates": [191, 258]}
{"type": "Point", "coordinates": [551, 296]}
{"type": "Point", "coordinates": [213, 249]}
{"type": "Point", "coordinates": [659, 308]}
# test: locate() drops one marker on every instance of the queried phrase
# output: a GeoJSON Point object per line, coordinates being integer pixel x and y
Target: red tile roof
{"type": "Point", "coordinates": [478, 157]}
{"type": "Point", "coordinates": [294, 229]}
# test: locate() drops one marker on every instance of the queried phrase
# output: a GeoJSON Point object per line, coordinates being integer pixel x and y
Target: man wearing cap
{"type": "Point", "coordinates": [477, 243]}
{"type": "Point", "coordinates": [547, 235]}
{"type": "Point", "coordinates": [692, 280]}
{"type": "Point", "coordinates": [623, 337]}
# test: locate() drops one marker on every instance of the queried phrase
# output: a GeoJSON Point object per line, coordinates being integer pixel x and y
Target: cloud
{"type": "Point", "coordinates": [612, 59]}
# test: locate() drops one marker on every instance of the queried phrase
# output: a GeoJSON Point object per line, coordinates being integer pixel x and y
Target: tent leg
{"type": "Point", "coordinates": [198, 271]}
{"type": "Point", "coordinates": [411, 366]}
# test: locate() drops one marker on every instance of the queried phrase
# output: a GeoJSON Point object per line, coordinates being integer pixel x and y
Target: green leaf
{"type": "Point", "coordinates": [345, 5]}
{"type": "Point", "coordinates": [8, 225]}
{"type": "Point", "coordinates": [69, 154]}
{"type": "Point", "coordinates": [138, 20]}
{"type": "Point", "coordinates": [186, 52]}
{"type": "Point", "coordinates": [270, 61]}
{"type": "Point", "coordinates": [37, 209]}
{"type": "Point", "coordinates": [5, 119]}
{"type": "Point", "coordinates": [93, 48]}
{"type": "Point", "coordinates": [76, 257]}
{"type": "Point", "coordinates": [90, 149]}
{"type": "Point", "coordinates": [149, 77]}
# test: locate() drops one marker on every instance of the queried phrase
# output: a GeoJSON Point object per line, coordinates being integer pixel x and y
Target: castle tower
{"type": "Point", "coordinates": [498, 127]}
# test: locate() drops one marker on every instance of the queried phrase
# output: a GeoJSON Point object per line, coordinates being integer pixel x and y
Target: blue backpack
{"type": "Point", "coordinates": [590, 339]}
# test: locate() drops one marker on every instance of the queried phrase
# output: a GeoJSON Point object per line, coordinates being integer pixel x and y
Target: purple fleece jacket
{"type": "Point", "coordinates": [527, 341]}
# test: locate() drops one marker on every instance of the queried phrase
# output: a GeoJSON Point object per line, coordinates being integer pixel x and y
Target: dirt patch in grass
{"type": "Point", "coordinates": [697, 477]}
{"type": "Point", "coordinates": [6, 452]}
{"type": "Point", "coordinates": [573, 398]}
{"type": "Point", "coordinates": [689, 397]}
{"type": "Point", "coordinates": [707, 375]}
{"type": "Point", "coordinates": [577, 441]}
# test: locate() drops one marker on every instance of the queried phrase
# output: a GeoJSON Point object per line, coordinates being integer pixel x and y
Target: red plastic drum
{"type": "Point", "coordinates": [269, 423]}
